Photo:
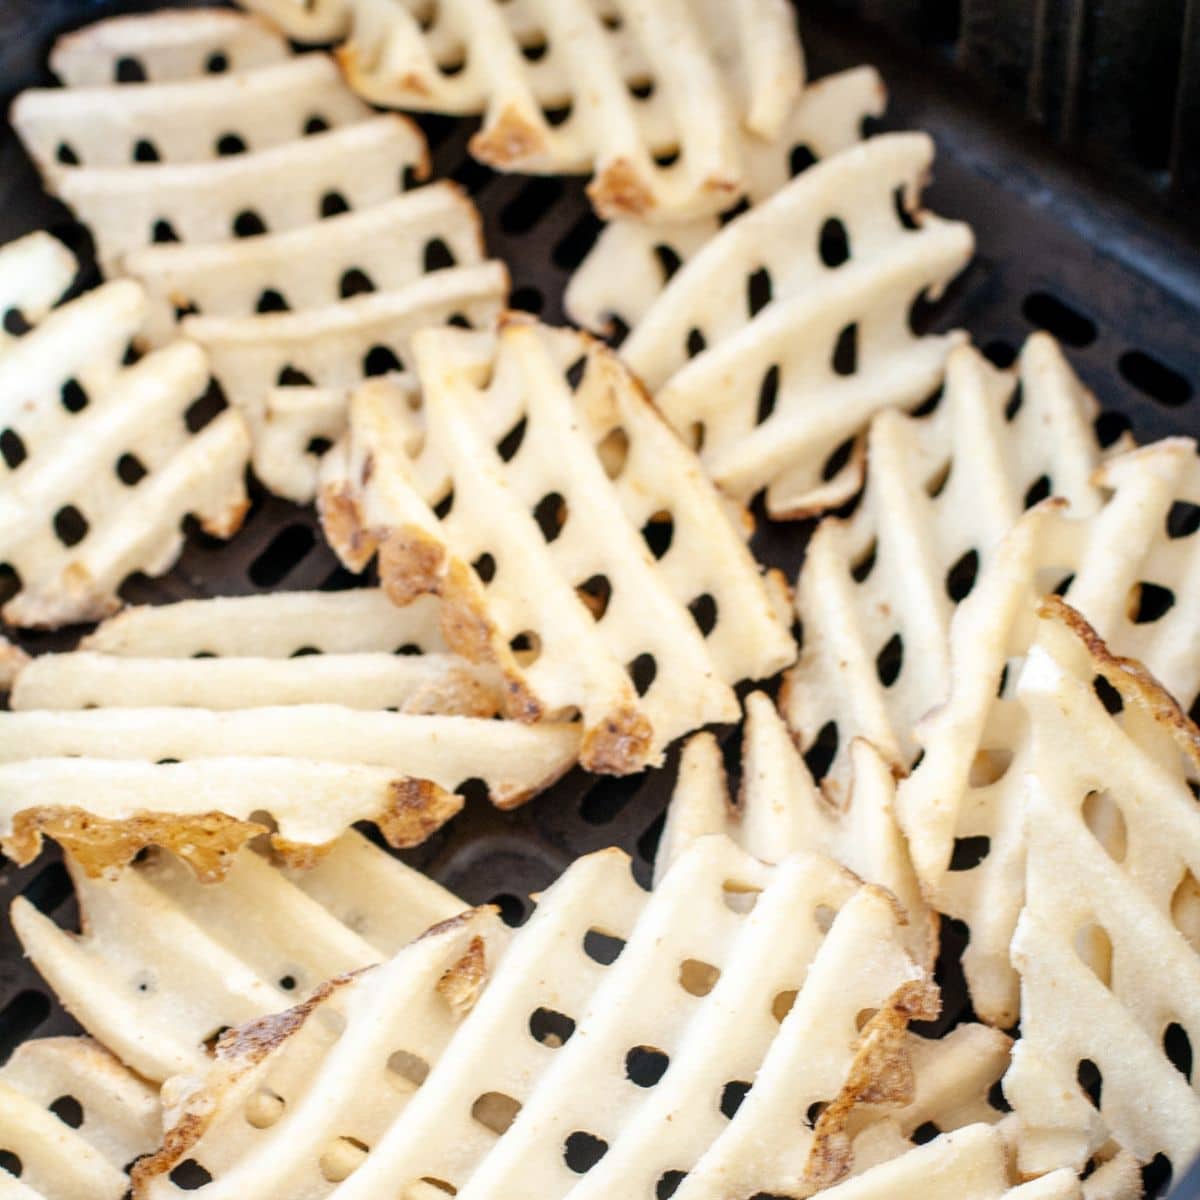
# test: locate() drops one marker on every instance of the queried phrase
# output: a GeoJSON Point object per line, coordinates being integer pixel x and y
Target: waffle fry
{"type": "Point", "coordinates": [165, 46]}
{"type": "Point", "coordinates": [558, 85]}
{"type": "Point", "coordinates": [97, 494]}
{"type": "Point", "coordinates": [313, 266]}
{"type": "Point", "coordinates": [305, 20]}
{"type": "Point", "coordinates": [71, 1118]}
{"type": "Point", "coordinates": [34, 273]}
{"type": "Point", "coordinates": [779, 811]}
{"type": "Point", "coordinates": [593, 466]}
{"type": "Point", "coordinates": [779, 393]}
{"type": "Point", "coordinates": [1113, 850]}
{"type": "Point", "coordinates": [165, 963]}
{"type": "Point", "coordinates": [877, 589]}
{"type": "Point", "coordinates": [184, 121]}
{"type": "Point", "coordinates": [967, 793]}
{"type": "Point", "coordinates": [632, 261]}
{"type": "Point", "coordinates": [332, 346]}
{"type": "Point", "coordinates": [161, 656]}
{"type": "Point", "coordinates": [482, 1088]}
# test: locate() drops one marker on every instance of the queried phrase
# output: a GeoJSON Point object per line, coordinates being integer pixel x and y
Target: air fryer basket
{"type": "Point", "coordinates": [1059, 247]}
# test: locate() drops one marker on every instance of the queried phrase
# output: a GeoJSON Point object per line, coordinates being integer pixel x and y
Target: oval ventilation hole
{"type": "Point", "coordinates": [960, 579]}
{"type": "Point", "coordinates": [732, 1095]}
{"type": "Point", "coordinates": [890, 660]}
{"type": "Point", "coordinates": [834, 243]}
{"type": "Point", "coordinates": [1148, 602]}
{"type": "Point", "coordinates": [1094, 948]}
{"type": "Point", "coordinates": [1103, 817]}
{"type": "Point", "coordinates": [969, 852]}
{"type": "Point", "coordinates": [698, 978]}
{"type": "Point", "coordinates": [768, 394]}
{"type": "Point", "coordinates": [1154, 378]}
{"type": "Point", "coordinates": [1067, 324]}
{"type": "Point", "coordinates": [551, 515]}
{"type": "Point", "coordinates": [582, 1151]}
{"type": "Point", "coordinates": [495, 1111]}
{"type": "Point", "coordinates": [129, 70]}
{"type": "Point", "coordinates": [1091, 1082]}
{"type": "Point", "coordinates": [1177, 1046]}
{"type": "Point", "coordinates": [602, 947]}
{"type": "Point", "coordinates": [645, 1065]}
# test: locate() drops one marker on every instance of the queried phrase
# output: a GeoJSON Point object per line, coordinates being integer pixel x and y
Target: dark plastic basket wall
{"type": "Point", "coordinates": [1061, 247]}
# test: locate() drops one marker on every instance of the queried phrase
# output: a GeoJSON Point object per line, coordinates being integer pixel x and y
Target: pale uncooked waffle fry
{"type": "Point", "coordinates": [503, 1056]}
{"type": "Point", "coordinates": [35, 271]}
{"type": "Point", "coordinates": [165, 46]}
{"type": "Point", "coordinates": [335, 345]}
{"type": "Point", "coordinates": [107, 782]}
{"type": "Point", "coordinates": [183, 121]}
{"type": "Point", "coordinates": [166, 963]}
{"type": "Point", "coordinates": [382, 248]}
{"type": "Point", "coordinates": [551, 460]}
{"type": "Point", "coordinates": [285, 187]}
{"type": "Point", "coordinates": [777, 390]}
{"type": "Point", "coordinates": [71, 1119]}
{"type": "Point", "coordinates": [101, 466]}
{"type": "Point", "coordinates": [877, 589]}
{"type": "Point", "coordinates": [558, 82]}
{"type": "Point", "coordinates": [632, 261]}
{"type": "Point", "coordinates": [135, 662]}
{"type": "Point", "coordinates": [780, 811]}
{"type": "Point", "coordinates": [965, 797]}
{"type": "Point", "coordinates": [1107, 943]}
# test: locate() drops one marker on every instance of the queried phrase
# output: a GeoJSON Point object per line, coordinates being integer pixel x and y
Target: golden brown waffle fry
{"type": "Point", "coordinates": [877, 589]}
{"type": "Point", "coordinates": [961, 807]}
{"type": "Point", "coordinates": [566, 87]}
{"type": "Point", "coordinates": [1106, 945]}
{"type": "Point", "coordinates": [165, 963]}
{"type": "Point", "coordinates": [504, 1059]}
{"type": "Point", "coordinates": [632, 261]}
{"type": "Point", "coordinates": [71, 1119]}
{"type": "Point", "coordinates": [550, 459]}
{"type": "Point", "coordinates": [165, 46]}
{"type": "Point", "coordinates": [776, 391]}
{"type": "Point", "coordinates": [101, 466]}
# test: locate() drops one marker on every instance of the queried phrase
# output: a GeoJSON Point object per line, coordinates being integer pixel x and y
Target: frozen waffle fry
{"type": "Point", "coordinates": [185, 121]}
{"type": "Point", "coordinates": [165, 46]}
{"type": "Point", "coordinates": [281, 188]}
{"type": "Point", "coordinates": [1123, 568]}
{"type": "Point", "coordinates": [107, 782]}
{"type": "Point", "coordinates": [632, 261]}
{"type": "Point", "coordinates": [566, 86]}
{"type": "Point", "coordinates": [497, 1071]}
{"type": "Point", "coordinates": [543, 460]}
{"type": "Point", "coordinates": [780, 811]}
{"type": "Point", "coordinates": [71, 1119]}
{"type": "Point", "coordinates": [1106, 945]}
{"type": "Point", "coordinates": [165, 963]}
{"type": "Point", "coordinates": [34, 273]}
{"type": "Point", "coordinates": [877, 589]}
{"type": "Point", "coordinates": [101, 464]}
{"type": "Point", "coordinates": [315, 265]}
{"type": "Point", "coordinates": [777, 391]}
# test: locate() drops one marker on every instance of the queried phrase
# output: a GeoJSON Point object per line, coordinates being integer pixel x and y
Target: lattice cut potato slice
{"type": "Point", "coordinates": [102, 465]}
{"type": "Point", "coordinates": [877, 589]}
{"type": "Point", "coordinates": [35, 271]}
{"type": "Point", "coordinates": [273, 190]}
{"type": "Point", "coordinates": [503, 1057]}
{"type": "Point", "coordinates": [165, 46]}
{"type": "Point", "coordinates": [551, 459]}
{"type": "Point", "coordinates": [777, 391]}
{"type": "Point", "coordinates": [961, 807]}
{"type": "Point", "coordinates": [632, 261]}
{"type": "Point", "coordinates": [338, 344]}
{"type": "Point", "coordinates": [567, 86]}
{"type": "Point", "coordinates": [183, 121]}
{"type": "Point", "coordinates": [779, 811]}
{"type": "Point", "coordinates": [1113, 845]}
{"type": "Point", "coordinates": [71, 1118]}
{"type": "Point", "coordinates": [166, 963]}
{"type": "Point", "coordinates": [313, 266]}
{"type": "Point", "coordinates": [308, 653]}
{"type": "Point", "coordinates": [107, 782]}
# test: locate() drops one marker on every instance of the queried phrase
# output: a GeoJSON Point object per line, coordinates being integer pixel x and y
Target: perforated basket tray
{"type": "Point", "coordinates": [1055, 251]}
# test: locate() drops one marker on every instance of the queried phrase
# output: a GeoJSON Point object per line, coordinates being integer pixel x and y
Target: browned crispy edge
{"type": "Point", "coordinates": [881, 1073]}
{"type": "Point", "coordinates": [509, 139]}
{"type": "Point", "coordinates": [1133, 682]}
